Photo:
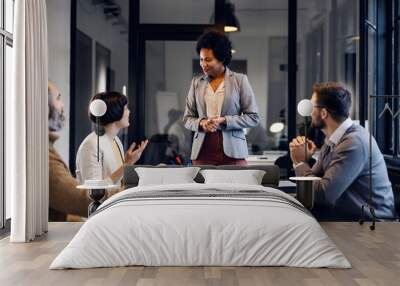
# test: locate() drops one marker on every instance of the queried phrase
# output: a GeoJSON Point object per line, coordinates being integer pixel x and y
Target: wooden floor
{"type": "Point", "coordinates": [375, 257]}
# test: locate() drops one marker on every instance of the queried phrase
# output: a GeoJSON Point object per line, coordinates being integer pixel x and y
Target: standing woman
{"type": "Point", "coordinates": [111, 150]}
{"type": "Point", "coordinates": [219, 105]}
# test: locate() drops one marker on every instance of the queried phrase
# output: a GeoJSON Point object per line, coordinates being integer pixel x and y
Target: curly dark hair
{"type": "Point", "coordinates": [218, 43]}
{"type": "Point", "coordinates": [115, 102]}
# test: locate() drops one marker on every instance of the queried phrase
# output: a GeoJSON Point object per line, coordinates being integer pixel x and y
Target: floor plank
{"type": "Point", "coordinates": [374, 255]}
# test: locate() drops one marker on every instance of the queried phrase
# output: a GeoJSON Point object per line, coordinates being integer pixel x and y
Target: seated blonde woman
{"type": "Point", "coordinates": [111, 153]}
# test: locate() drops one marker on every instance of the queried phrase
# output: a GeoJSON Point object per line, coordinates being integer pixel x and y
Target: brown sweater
{"type": "Point", "coordinates": [64, 197]}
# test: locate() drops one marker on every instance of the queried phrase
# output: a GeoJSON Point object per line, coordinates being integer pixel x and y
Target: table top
{"type": "Point", "coordinates": [305, 178]}
{"type": "Point", "coordinates": [89, 187]}
{"type": "Point", "coordinates": [286, 184]}
{"type": "Point", "coordinates": [262, 159]}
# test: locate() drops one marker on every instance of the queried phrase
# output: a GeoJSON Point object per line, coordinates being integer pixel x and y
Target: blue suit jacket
{"type": "Point", "coordinates": [344, 170]}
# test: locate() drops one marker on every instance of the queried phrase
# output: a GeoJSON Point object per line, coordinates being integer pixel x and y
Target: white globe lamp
{"type": "Point", "coordinates": [304, 108]}
{"type": "Point", "coordinates": [98, 108]}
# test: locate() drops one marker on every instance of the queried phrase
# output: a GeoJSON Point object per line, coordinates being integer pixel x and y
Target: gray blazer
{"type": "Point", "coordinates": [239, 108]}
{"type": "Point", "coordinates": [344, 169]}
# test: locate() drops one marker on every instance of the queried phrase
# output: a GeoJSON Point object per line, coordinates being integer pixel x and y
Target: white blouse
{"type": "Point", "coordinates": [214, 100]}
{"type": "Point", "coordinates": [111, 155]}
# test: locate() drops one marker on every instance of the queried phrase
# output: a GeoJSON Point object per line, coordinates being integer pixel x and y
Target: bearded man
{"type": "Point", "coordinates": [66, 202]}
{"type": "Point", "coordinates": [343, 163]}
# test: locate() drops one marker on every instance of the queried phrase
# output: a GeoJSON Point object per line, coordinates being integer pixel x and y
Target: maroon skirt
{"type": "Point", "coordinates": [212, 152]}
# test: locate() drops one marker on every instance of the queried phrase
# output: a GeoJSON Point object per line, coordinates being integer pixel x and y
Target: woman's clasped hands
{"type": "Point", "coordinates": [212, 124]}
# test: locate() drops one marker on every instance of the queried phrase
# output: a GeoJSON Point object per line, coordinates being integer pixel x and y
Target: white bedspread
{"type": "Point", "coordinates": [207, 230]}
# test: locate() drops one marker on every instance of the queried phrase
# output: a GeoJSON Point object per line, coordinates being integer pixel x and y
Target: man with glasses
{"type": "Point", "coordinates": [343, 163]}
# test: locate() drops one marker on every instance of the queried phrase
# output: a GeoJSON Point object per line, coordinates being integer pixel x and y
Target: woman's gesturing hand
{"type": "Point", "coordinates": [133, 155]}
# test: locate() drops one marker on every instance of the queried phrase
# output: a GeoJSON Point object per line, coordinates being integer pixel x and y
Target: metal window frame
{"type": "Point", "coordinates": [292, 69]}
{"type": "Point", "coordinates": [382, 66]}
{"type": "Point", "coordinates": [72, 101]}
{"type": "Point", "coordinates": [389, 80]}
{"type": "Point", "coordinates": [393, 159]}
{"type": "Point", "coordinates": [383, 72]}
{"type": "Point", "coordinates": [395, 68]}
{"type": "Point", "coordinates": [363, 63]}
{"type": "Point", "coordinates": [387, 131]}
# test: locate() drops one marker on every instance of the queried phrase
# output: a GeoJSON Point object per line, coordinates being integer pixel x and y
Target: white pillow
{"type": "Point", "coordinates": [166, 176]}
{"type": "Point", "coordinates": [248, 177]}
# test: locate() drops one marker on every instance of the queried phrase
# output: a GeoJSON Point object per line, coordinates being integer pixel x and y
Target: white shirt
{"type": "Point", "coordinates": [88, 168]}
{"type": "Point", "coordinates": [339, 132]}
{"type": "Point", "coordinates": [214, 100]}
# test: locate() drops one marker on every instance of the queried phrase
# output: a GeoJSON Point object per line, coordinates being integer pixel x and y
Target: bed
{"type": "Point", "coordinates": [197, 224]}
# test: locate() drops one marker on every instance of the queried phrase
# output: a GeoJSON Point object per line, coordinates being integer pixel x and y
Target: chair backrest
{"type": "Point", "coordinates": [270, 179]}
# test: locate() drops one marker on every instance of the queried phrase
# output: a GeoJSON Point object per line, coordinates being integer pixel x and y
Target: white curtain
{"type": "Point", "coordinates": [27, 124]}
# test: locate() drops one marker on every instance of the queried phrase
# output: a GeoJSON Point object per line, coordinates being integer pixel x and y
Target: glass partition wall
{"type": "Point", "coordinates": [262, 44]}
{"type": "Point", "coordinates": [99, 61]}
{"type": "Point", "coordinates": [327, 49]}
